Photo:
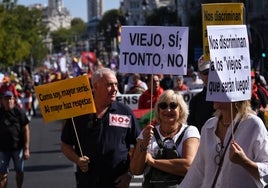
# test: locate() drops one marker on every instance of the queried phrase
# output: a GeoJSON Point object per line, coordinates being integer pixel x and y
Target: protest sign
{"type": "Point", "coordinates": [65, 99]}
{"type": "Point", "coordinates": [220, 14]}
{"type": "Point", "coordinates": [154, 50]}
{"type": "Point", "coordinates": [132, 100]}
{"type": "Point", "coordinates": [229, 75]}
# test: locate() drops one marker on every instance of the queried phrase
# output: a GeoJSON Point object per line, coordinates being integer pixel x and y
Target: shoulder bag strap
{"type": "Point", "coordinates": [222, 158]}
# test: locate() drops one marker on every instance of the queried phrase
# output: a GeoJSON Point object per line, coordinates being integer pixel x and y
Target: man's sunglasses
{"type": "Point", "coordinates": [205, 72]}
{"type": "Point", "coordinates": [164, 105]}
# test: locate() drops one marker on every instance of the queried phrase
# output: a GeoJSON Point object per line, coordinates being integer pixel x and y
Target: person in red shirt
{"type": "Point", "coordinates": [8, 86]}
{"type": "Point", "coordinates": [180, 85]}
{"type": "Point", "coordinates": [149, 96]}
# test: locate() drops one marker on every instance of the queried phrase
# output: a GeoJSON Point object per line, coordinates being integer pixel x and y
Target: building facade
{"type": "Point", "coordinates": [94, 9]}
{"type": "Point", "coordinates": [55, 15]}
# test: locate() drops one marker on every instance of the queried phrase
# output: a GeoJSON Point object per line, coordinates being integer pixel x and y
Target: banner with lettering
{"type": "Point", "coordinates": [229, 75]}
{"type": "Point", "coordinates": [65, 99]}
{"type": "Point", "coordinates": [220, 14]}
{"type": "Point", "coordinates": [154, 50]}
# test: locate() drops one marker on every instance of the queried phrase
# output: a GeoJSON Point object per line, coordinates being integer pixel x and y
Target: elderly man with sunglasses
{"type": "Point", "coordinates": [200, 109]}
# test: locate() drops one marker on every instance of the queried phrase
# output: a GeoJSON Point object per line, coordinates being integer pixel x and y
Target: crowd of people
{"type": "Point", "coordinates": [211, 142]}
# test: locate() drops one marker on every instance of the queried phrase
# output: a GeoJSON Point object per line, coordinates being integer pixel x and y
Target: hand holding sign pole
{"type": "Point", "coordinates": [65, 99]}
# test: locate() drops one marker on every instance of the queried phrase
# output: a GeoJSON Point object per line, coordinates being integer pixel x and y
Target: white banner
{"type": "Point", "coordinates": [229, 76]}
{"type": "Point", "coordinates": [154, 50]}
{"type": "Point", "coordinates": [132, 100]}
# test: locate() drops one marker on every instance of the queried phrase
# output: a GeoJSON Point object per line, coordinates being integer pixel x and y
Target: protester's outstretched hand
{"type": "Point", "coordinates": [83, 163]}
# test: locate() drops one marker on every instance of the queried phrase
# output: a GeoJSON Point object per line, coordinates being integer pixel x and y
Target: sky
{"type": "Point", "coordinates": [76, 9]}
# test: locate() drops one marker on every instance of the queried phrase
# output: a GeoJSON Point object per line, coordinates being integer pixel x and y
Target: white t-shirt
{"type": "Point", "coordinates": [153, 148]}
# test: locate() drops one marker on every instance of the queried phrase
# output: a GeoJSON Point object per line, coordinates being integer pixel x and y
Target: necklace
{"type": "Point", "coordinates": [223, 123]}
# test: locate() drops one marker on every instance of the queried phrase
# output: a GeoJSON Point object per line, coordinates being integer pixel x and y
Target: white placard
{"type": "Point", "coordinates": [154, 50]}
{"type": "Point", "coordinates": [229, 75]}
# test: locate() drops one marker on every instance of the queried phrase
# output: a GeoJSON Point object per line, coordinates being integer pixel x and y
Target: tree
{"type": "Point", "coordinates": [21, 36]}
{"type": "Point", "coordinates": [162, 16]}
{"type": "Point", "coordinates": [63, 38]}
{"type": "Point", "coordinates": [109, 24]}
{"type": "Point", "coordinates": [78, 26]}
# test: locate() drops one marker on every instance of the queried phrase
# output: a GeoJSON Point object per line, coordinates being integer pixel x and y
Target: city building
{"type": "Point", "coordinates": [94, 9]}
{"type": "Point", "coordinates": [55, 15]}
{"type": "Point", "coordinates": [94, 12]}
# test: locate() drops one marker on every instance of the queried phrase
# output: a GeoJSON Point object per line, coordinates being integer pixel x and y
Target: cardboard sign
{"type": "Point", "coordinates": [154, 50]}
{"type": "Point", "coordinates": [65, 99]}
{"type": "Point", "coordinates": [229, 75]}
{"type": "Point", "coordinates": [220, 14]}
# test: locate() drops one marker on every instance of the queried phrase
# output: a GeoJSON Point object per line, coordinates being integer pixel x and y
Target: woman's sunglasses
{"type": "Point", "coordinates": [164, 105]}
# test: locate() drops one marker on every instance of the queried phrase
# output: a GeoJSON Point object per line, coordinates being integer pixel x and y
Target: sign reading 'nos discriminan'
{"type": "Point", "coordinates": [154, 50]}
{"type": "Point", "coordinates": [229, 76]}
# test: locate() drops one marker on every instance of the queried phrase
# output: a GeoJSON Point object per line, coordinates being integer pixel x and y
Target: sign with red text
{"type": "Point", "coordinates": [154, 50]}
{"type": "Point", "coordinates": [229, 75]}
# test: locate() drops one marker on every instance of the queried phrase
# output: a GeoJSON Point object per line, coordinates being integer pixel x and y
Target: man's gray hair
{"type": "Point", "coordinates": [98, 74]}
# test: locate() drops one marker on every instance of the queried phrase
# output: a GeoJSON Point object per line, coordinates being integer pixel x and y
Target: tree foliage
{"type": "Point", "coordinates": [63, 38]}
{"type": "Point", "coordinates": [109, 24]}
{"type": "Point", "coordinates": [162, 16]}
{"type": "Point", "coordinates": [21, 35]}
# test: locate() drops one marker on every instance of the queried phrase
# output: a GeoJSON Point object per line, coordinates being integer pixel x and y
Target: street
{"type": "Point", "coordinates": [47, 166]}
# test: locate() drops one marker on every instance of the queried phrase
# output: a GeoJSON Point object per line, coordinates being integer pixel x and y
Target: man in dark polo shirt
{"type": "Point", "coordinates": [105, 138]}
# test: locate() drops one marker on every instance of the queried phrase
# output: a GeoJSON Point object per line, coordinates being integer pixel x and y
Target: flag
{"type": "Point", "coordinates": [119, 33]}
{"type": "Point", "coordinates": [89, 57]}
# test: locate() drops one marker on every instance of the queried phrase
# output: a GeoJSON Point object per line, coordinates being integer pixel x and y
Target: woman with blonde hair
{"type": "Point", "coordinates": [171, 112]}
{"type": "Point", "coordinates": [233, 150]}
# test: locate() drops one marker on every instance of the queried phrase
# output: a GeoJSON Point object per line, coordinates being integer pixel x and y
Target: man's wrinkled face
{"type": "Point", "coordinates": [106, 88]}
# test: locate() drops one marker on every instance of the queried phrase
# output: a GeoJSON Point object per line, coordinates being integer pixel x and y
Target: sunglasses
{"type": "Point", "coordinates": [205, 72]}
{"type": "Point", "coordinates": [164, 105]}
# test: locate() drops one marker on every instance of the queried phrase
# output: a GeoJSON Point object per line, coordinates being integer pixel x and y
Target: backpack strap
{"type": "Point", "coordinates": [180, 137]}
{"type": "Point", "coordinates": [160, 142]}
{"type": "Point", "coordinates": [157, 138]}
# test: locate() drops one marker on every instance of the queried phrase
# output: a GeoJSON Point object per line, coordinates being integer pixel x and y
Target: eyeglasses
{"type": "Point", "coordinates": [218, 157]}
{"type": "Point", "coordinates": [164, 105]}
{"type": "Point", "coordinates": [205, 72]}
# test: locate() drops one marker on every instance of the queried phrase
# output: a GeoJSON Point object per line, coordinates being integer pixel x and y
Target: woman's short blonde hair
{"type": "Point", "coordinates": [243, 108]}
{"type": "Point", "coordinates": [172, 96]}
